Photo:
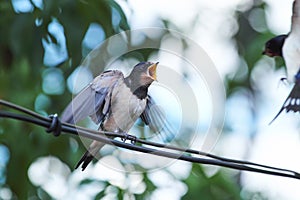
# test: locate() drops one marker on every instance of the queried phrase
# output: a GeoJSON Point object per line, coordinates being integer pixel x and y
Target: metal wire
{"type": "Point", "coordinates": [53, 124]}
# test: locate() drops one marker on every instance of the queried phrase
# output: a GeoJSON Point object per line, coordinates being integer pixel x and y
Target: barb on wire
{"type": "Point", "coordinates": [54, 125]}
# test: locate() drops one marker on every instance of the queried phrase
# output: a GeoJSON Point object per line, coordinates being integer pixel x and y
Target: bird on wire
{"type": "Point", "coordinates": [115, 103]}
{"type": "Point", "coordinates": [288, 47]}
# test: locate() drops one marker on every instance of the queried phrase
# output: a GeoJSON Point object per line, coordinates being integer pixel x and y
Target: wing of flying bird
{"type": "Point", "coordinates": [94, 99]}
{"type": "Point", "coordinates": [296, 16]}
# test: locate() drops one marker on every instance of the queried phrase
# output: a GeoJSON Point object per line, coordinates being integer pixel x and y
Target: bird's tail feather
{"type": "Point", "coordinates": [292, 102]}
{"type": "Point", "coordinates": [85, 160]}
{"type": "Point", "coordinates": [89, 155]}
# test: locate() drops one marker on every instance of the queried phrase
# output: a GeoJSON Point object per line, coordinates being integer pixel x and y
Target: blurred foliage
{"type": "Point", "coordinates": [23, 70]}
{"type": "Point", "coordinates": [215, 187]}
{"type": "Point", "coordinates": [250, 43]}
{"type": "Point", "coordinates": [250, 40]}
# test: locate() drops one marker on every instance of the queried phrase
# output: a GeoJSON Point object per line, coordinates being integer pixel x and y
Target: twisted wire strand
{"type": "Point", "coordinates": [169, 151]}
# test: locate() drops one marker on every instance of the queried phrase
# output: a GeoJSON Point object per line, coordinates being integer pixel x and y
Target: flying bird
{"type": "Point", "coordinates": [273, 47]}
{"type": "Point", "coordinates": [288, 47]}
{"type": "Point", "coordinates": [115, 103]}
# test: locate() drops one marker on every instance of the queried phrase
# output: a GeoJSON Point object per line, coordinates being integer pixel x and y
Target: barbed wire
{"type": "Point", "coordinates": [55, 126]}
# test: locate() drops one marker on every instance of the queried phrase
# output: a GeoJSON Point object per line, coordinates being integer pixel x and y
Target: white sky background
{"type": "Point", "coordinates": [274, 145]}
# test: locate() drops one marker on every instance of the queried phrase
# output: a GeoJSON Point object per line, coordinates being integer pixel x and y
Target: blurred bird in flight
{"type": "Point", "coordinates": [288, 47]}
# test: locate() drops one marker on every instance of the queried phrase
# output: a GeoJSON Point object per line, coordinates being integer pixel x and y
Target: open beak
{"type": "Point", "coordinates": [152, 71]}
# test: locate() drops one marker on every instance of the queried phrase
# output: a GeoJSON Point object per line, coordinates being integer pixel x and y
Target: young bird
{"type": "Point", "coordinates": [288, 47]}
{"type": "Point", "coordinates": [115, 103]}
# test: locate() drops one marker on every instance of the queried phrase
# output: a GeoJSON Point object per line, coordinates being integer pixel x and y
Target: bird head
{"type": "Point", "coordinates": [144, 73]}
{"type": "Point", "coordinates": [273, 47]}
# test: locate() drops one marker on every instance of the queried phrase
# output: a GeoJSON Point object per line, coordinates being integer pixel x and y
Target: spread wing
{"type": "Point", "coordinates": [94, 99]}
{"type": "Point", "coordinates": [292, 103]}
{"type": "Point", "coordinates": [154, 117]}
{"type": "Point", "coordinates": [296, 16]}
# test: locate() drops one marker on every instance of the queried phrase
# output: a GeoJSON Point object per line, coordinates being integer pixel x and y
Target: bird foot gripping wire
{"type": "Point", "coordinates": [127, 136]}
{"type": "Point", "coordinates": [55, 126]}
